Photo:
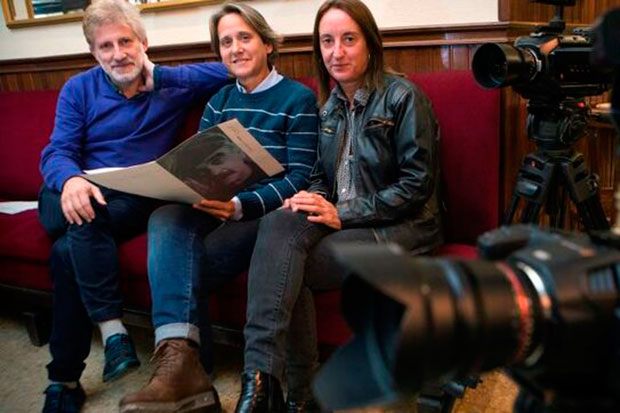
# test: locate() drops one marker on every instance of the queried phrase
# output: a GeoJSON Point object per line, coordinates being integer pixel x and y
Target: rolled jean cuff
{"type": "Point", "coordinates": [99, 316]}
{"type": "Point", "coordinates": [177, 330]}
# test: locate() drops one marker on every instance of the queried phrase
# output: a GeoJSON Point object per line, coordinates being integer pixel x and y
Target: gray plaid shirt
{"type": "Point", "coordinates": [345, 182]}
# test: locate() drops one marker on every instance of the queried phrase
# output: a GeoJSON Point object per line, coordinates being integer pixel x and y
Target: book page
{"type": "Point", "coordinates": [149, 179]}
{"type": "Point", "coordinates": [215, 164]}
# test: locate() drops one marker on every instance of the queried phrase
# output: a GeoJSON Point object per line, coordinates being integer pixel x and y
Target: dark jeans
{"type": "Point", "coordinates": [84, 271]}
{"type": "Point", "coordinates": [292, 258]}
{"type": "Point", "coordinates": [190, 254]}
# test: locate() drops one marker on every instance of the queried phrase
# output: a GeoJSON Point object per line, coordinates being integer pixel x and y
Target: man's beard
{"type": "Point", "coordinates": [126, 78]}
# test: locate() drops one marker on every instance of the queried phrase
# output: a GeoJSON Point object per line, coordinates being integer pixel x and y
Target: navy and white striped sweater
{"type": "Point", "coordinates": [284, 120]}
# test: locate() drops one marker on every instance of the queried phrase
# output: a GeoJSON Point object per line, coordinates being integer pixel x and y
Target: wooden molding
{"type": "Point", "coordinates": [405, 37]}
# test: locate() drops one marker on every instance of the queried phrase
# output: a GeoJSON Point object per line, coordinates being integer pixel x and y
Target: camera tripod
{"type": "Point", "coordinates": [555, 171]}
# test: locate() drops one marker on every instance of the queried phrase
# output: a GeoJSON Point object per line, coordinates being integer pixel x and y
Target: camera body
{"type": "Point", "coordinates": [545, 304]}
{"type": "Point", "coordinates": [546, 65]}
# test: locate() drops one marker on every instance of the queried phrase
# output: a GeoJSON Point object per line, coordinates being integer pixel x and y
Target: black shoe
{"type": "Point", "coordinates": [306, 406]}
{"type": "Point", "coordinates": [260, 393]}
{"type": "Point", "coordinates": [120, 357]}
{"type": "Point", "coordinates": [61, 399]}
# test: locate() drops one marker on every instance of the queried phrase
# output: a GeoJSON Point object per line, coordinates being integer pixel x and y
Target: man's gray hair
{"type": "Point", "coordinates": [102, 12]}
{"type": "Point", "coordinates": [254, 19]}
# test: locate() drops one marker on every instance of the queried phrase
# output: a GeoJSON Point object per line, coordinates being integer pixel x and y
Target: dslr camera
{"type": "Point", "coordinates": [545, 304]}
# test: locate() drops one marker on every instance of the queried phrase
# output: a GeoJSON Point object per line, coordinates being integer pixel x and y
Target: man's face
{"type": "Point", "coordinates": [228, 166]}
{"type": "Point", "coordinates": [119, 52]}
{"type": "Point", "coordinates": [243, 51]}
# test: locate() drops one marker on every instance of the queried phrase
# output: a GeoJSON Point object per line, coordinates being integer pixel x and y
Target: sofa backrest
{"type": "Point", "coordinates": [469, 153]}
{"type": "Point", "coordinates": [26, 122]}
{"type": "Point", "coordinates": [468, 117]}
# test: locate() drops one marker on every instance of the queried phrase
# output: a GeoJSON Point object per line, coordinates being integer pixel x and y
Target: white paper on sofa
{"type": "Point", "coordinates": [15, 207]}
{"type": "Point", "coordinates": [215, 163]}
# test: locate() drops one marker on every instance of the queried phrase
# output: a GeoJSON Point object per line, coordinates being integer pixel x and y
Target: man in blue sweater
{"type": "Point", "coordinates": [193, 249]}
{"type": "Point", "coordinates": [103, 120]}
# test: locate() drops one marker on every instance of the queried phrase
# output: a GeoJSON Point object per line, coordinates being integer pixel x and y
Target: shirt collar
{"type": "Point", "coordinates": [270, 81]}
{"type": "Point", "coordinates": [360, 98]}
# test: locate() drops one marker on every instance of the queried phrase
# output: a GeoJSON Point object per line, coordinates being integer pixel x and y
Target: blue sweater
{"type": "Point", "coordinates": [284, 120]}
{"type": "Point", "coordinates": [96, 126]}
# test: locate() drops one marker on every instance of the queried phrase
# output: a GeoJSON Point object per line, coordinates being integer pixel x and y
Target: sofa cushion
{"type": "Point", "coordinates": [22, 273]}
{"type": "Point", "coordinates": [27, 119]}
{"type": "Point", "coordinates": [23, 237]}
{"type": "Point", "coordinates": [460, 251]}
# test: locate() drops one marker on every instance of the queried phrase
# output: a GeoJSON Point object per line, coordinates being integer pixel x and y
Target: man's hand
{"type": "Point", "coordinates": [148, 75]}
{"type": "Point", "coordinates": [319, 210]}
{"type": "Point", "coordinates": [219, 209]}
{"type": "Point", "coordinates": [75, 200]}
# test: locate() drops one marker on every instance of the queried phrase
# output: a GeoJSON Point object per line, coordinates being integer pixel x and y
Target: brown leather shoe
{"type": "Point", "coordinates": [179, 383]}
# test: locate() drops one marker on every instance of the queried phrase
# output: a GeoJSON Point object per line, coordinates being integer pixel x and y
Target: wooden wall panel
{"type": "Point", "coordinates": [584, 12]}
{"type": "Point", "coordinates": [415, 49]}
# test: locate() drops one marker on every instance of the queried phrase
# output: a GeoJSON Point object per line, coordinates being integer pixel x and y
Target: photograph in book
{"type": "Point", "coordinates": [215, 164]}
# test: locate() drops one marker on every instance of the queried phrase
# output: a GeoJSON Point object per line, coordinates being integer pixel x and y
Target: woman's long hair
{"type": "Point", "coordinates": [373, 78]}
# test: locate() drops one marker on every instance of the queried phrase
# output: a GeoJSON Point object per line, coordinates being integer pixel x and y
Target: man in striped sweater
{"type": "Point", "coordinates": [193, 249]}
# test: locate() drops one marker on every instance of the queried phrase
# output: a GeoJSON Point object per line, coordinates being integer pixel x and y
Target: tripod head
{"type": "Point", "coordinates": [556, 127]}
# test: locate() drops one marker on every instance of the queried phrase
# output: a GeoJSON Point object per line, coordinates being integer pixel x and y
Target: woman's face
{"type": "Point", "coordinates": [343, 48]}
{"type": "Point", "coordinates": [243, 51]}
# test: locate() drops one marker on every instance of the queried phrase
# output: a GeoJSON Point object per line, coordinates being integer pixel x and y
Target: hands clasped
{"type": "Point", "coordinates": [319, 210]}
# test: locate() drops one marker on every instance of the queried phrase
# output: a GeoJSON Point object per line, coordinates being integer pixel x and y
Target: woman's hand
{"type": "Point", "coordinates": [319, 210]}
{"type": "Point", "coordinates": [219, 209]}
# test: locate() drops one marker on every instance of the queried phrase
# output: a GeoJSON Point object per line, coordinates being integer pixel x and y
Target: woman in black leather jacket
{"type": "Point", "coordinates": [375, 181]}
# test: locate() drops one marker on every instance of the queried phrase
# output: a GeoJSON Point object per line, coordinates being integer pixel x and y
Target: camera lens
{"type": "Point", "coordinates": [498, 65]}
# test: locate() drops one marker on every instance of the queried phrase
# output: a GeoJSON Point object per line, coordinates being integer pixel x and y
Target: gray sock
{"type": "Point", "coordinates": [109, 328]}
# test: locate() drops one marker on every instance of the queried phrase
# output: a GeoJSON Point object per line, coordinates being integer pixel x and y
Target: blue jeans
{"type": "Point", "coordinates": [84, 271]}
{"type": "Point", "coordinates": [191, 253]}
{"type": "Point", "coordinates": [292, 258]}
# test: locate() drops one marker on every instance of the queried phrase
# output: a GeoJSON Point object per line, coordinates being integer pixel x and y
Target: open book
{"type": "Point", "coordinates": [215, 164]}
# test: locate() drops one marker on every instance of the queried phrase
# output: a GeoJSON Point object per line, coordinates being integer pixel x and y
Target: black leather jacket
{"type": "Point", "coordinates": [397, 178]}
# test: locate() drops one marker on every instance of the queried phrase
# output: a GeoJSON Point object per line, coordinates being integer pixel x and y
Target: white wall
{"type": "Point", "coordinates": [286, 17]}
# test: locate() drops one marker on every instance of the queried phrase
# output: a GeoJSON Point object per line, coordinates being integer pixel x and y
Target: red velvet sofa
{"type": "Point", "coordinates": [469, 121]}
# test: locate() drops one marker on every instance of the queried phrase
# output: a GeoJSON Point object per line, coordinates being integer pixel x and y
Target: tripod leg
{"type": "Point", "coordinates": [556, 205]}
{"type": "Point", "coordinates": [583, 189]}
{"type": "Point", "coordinates": [530, 213]}
{"type": "Point", "coordinates": [592, 214]}
{"type": "Point", "coordinates": [514, 203]}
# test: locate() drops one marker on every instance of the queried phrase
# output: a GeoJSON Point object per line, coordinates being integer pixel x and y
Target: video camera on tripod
{"type": "Point", "coordinates": [555, 72]}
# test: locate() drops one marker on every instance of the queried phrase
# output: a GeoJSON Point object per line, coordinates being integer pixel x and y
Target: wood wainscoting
{"type": "Point", "coordinates": [420, 49]}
